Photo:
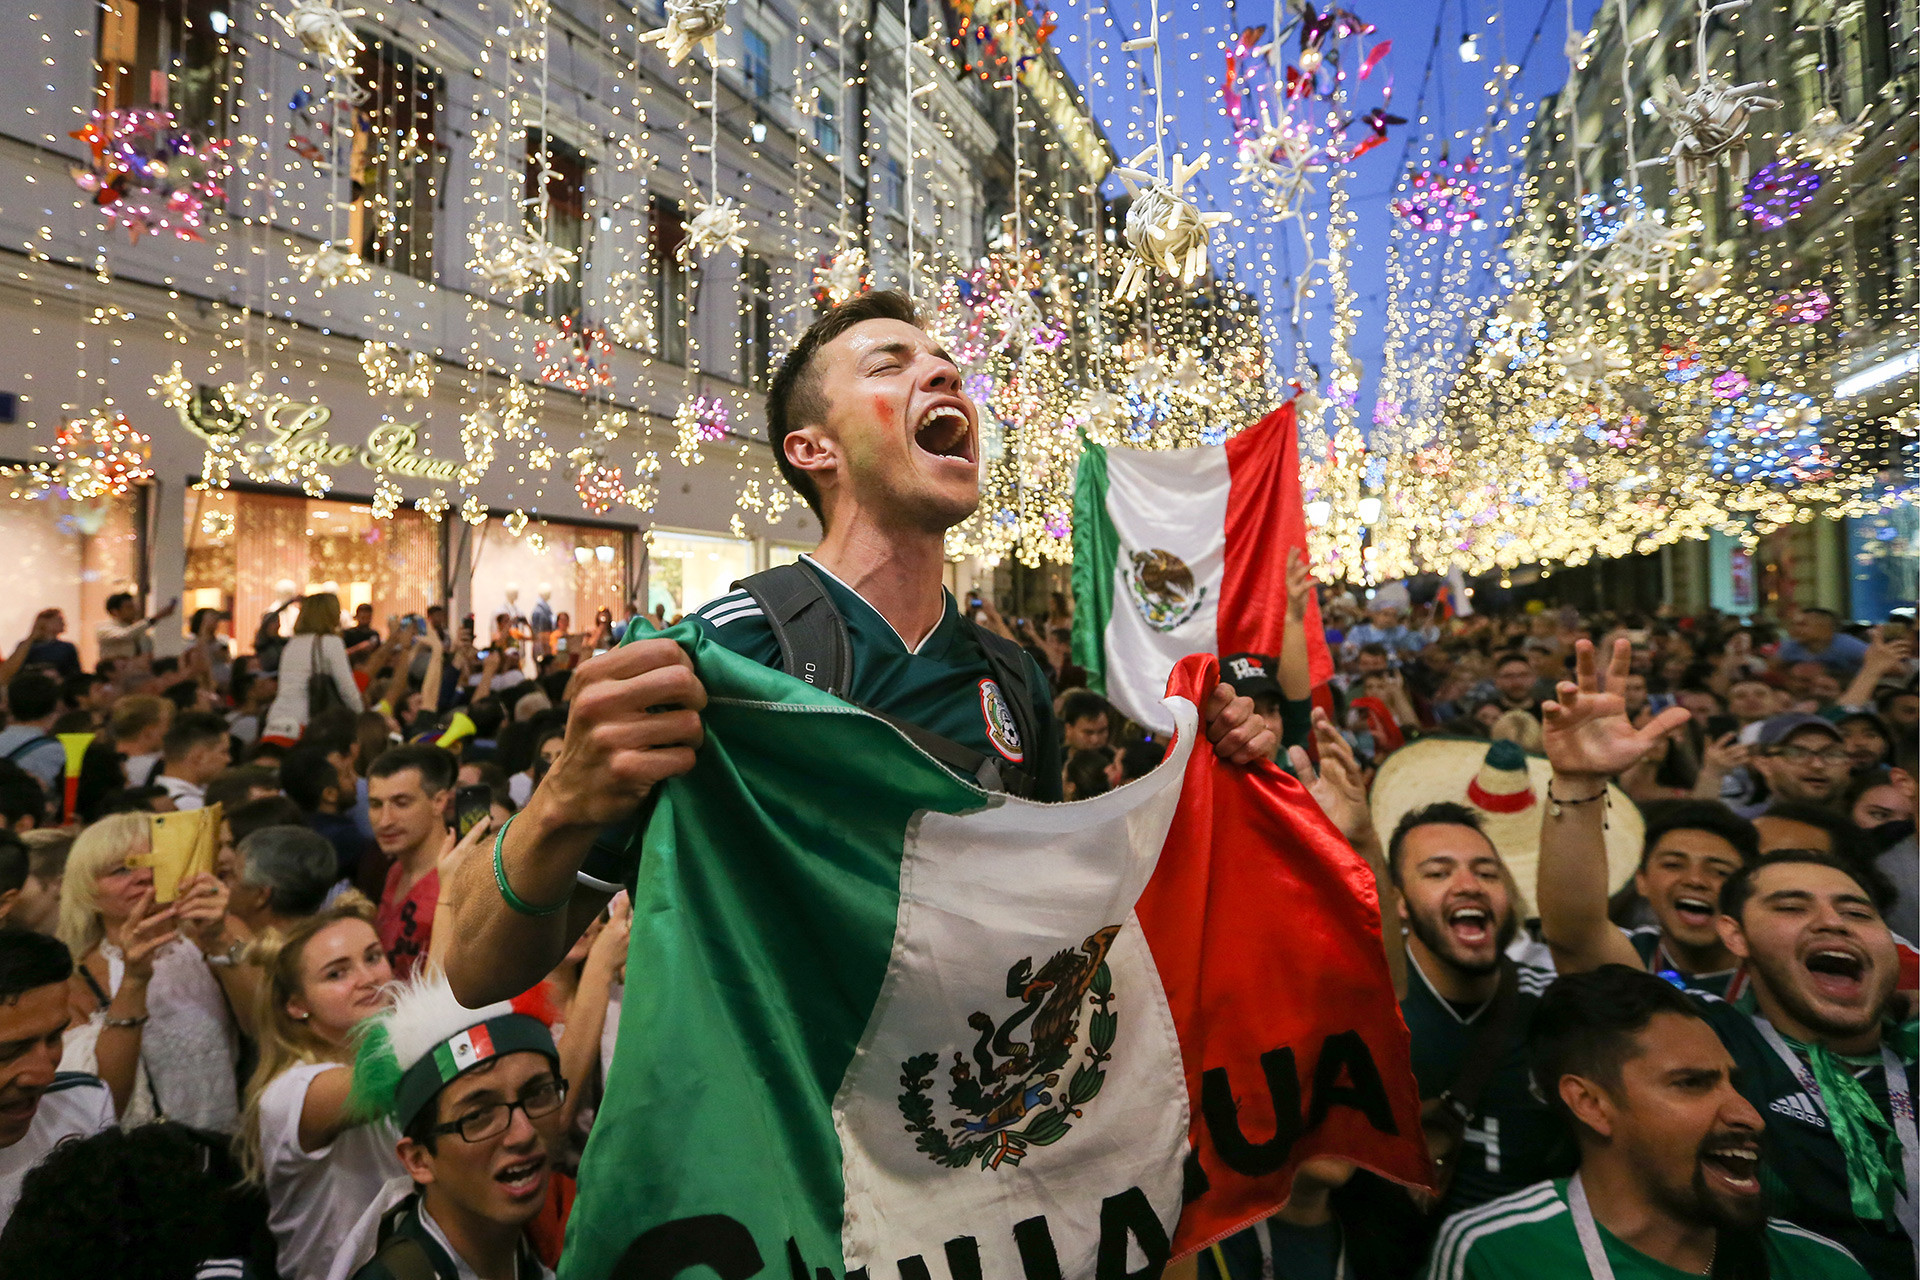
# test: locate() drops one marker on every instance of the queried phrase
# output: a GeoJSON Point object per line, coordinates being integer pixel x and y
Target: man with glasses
{"type": "Point", "coordinates": [481, 1107]}
{"type": "Point", "coordinates": [1803, 761]}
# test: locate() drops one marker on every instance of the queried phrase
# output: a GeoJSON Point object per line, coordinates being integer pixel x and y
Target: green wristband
{"type": "Point", "coordinates": [511, 898]}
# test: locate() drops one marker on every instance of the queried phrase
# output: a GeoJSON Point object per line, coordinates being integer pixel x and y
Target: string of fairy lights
{"type": "Point", "coordinates": [596, 235]}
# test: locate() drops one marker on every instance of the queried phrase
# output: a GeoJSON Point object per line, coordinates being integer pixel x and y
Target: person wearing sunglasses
{"type": "Point", "coordinates": [481, 1107]}
{"type": "Point", "coordinates": [1803, 760]}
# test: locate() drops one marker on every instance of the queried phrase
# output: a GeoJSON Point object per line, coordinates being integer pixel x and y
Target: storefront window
{"type": "Point", "coordinates": [686, 570]}
{"type": "Point", "coordinates": [80, 554]}
{"type": "Point", "coordinates": [577, 569]}
{"type": "Point", "coordinates": [249, 552]}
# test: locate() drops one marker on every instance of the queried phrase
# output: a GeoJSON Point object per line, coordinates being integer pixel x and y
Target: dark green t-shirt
{"type": "Point", "coordinates": [1514, 1141]}
{"type": "Point", "coordinates": [1646, 944]}
{"type": "Point", "coordinates": [1804, 1172]}
{"type": "Point", "coordinates": [945, 686]}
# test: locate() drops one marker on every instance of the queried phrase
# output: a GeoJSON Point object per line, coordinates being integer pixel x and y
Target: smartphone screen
{"type": "Point", "coordinates": [471, 806]}
{"type": "Point", "coordinates": [1719, 726]}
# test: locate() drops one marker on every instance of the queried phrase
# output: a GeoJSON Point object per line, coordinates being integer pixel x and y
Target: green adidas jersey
{"type": "Point", "coordinates": [1514, 1140]}
{"type": "Point", "coordinates": [1805, 1174]}
{"type": "Point", "coordinates": [945, 686]}
{"type": "Point", "coordinates": [1646, 944]}
{"type": "Point", "coordinates": [1530, 1235]}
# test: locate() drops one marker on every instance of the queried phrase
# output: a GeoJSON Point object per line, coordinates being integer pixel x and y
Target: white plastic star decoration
{"type": "Point", "coordinates": [543, 261]}
{"type": "Point", "coordinates": [1642, 250]}
{"type": "Point", "coordinates": [496, 259]}
{"type": "Point", "coordinates": [1826, 141]}
{"type": "Point", "coordinates": [322, 29]}
{"type": "Point", "coordinates": [716, 226]}
{"type": "Point", "coordinates": [1705, 281]}
{"type": "Point", "coordinates": [1279, 157]}
{"type": "Point", "coordinates": [1709, 124]}
{"type": "Point", "coordinates": [1165, 230]}
{"type": "Point", "coordinates": [842, 275]}
{"type": "Point", "coordinates": [1584, 362]}
{"type": "Point", "coordinates": [691, 24]}
{"type": "Point", "coordinates": [332, 264]}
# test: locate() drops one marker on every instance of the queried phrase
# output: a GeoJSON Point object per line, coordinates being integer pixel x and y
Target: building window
{"type": "Point", "coordinates": [756, 65]}
{"type": "Point", "coordinates": [756, 320]}
{"type": "Point", "coordinates": [566, 171]}
{"type": "Point", "coordinates": [826, 122]}
{"type": "Point", "coordinates": [667, 279]}
{"type": "Point", "coordinates": [396, 159]}
{"type": "Point", "coordinates": [167, 53]}
{"type": "Point", "coordinates": [894, 188]}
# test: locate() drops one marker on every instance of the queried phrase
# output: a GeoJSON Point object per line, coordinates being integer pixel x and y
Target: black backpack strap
{"type": "Point", "coordinates": [32, 744]}
{"type": "Point", "coordinates": [812, 634]}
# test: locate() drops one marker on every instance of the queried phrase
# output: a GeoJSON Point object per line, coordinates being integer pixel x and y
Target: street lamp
{"type": "Point", "coordinates": [1368, 509]}
{"type": "Point", "coordinates": [1319, 511]}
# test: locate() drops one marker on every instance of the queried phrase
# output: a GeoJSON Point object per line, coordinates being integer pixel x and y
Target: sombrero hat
{"type": "Point", "coordinates": [1507, 788]}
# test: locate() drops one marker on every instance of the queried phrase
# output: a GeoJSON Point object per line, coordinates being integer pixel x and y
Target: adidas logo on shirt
{"type": "Point", "coordinates": [1799, 1107]}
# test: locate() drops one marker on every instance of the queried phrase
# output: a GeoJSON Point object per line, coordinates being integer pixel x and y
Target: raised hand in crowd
{"type": "Point", "coordinates": [148, 929]}
{"type": "Point", "coordinates": [1882, 659]}
{"type": "Point", "coordinates": [1339, 787]}
{"type": "Point", "coordinates": [447, 908]}
{"type": "Point", "coordinates": [1586, 731]}
{"type": "Point", "coordinates": [201, 910]}
{"type": "Point", "coordinates": [1722, 756]}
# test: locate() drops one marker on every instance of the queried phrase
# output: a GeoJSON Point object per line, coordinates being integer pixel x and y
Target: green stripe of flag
{"type": "Point", "coordinates": [1095, 547]}
{"type": "Point", "coordinates": [746, 995]}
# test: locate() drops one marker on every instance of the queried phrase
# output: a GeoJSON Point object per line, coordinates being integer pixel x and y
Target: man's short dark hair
{"type": "Point", "coordinates": [1738, 888]}
{"type": "Point", "coordinates": [793, 397]}
{"type": "Point", "coordinates": [1512, 655]}
{"type": "Point", "coordinates": [20, 795]}
{"type": "Point", "coordinates": [1842, 836]}
{"type": "Point", "coordinates": [1444, 813]}
{"type": "Point", "coordinates": [76, 689]}
{"type": "Point", "coordinates": [1082, 704]}
{"type": "Point", "coordinates": [29, 961]}
{"type": "Point", "coordinates": [231, 787]}
{"type": "Point", "coordinates": [306, 773]}
{"type": "Point", "coordinates": [1663, 816]}
{"type": "Point", "coordinates": [294, 864]}
{"type": "Point", "coordinates": [1374, 649]}
{"type": "Point", "coordinates": [117, 599]}
{"type": "Point", "coordinates": [1826, 613]}
{"type": "Point", "coordinates": [256, 815]}
{"type": "Point", "coordinates": [191, 729]}
{"type": "Point", "coordinates": [32, 696]}
{"type": "Point", "coordinates": [1585, 1026]}
{"type": "Point", "coordinates": [436, 765]}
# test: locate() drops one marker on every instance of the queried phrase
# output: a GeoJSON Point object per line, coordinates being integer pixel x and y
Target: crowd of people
{"type": "Point", "coordinates": [214, 1034]}
{"type": "Point", "coordinates": [1647, 885]}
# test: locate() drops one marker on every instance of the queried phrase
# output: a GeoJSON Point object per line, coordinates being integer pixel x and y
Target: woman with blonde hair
{"type": "Point", "coordinates": [315, 676]}
{"type": "Point", "coordinates": [151, 984]}
{"type": "Point", "coordinates": [321, 1164]}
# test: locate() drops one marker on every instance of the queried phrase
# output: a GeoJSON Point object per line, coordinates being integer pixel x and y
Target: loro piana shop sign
{"type": "Point", "coordinates": [293, 433]}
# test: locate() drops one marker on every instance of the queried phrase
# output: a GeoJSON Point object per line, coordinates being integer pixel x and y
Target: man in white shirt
{"type": "Point", "coordinates": [126, 634]}
{"type": "Point", "coordinates": [195, 748]}
{"type": "Point", "coordinates": [40, 1107]}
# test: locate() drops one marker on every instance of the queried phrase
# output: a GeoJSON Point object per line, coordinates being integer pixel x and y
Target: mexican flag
{"type": "Point", "coordinates": [881, 1024]}
{"type": "Point", "coordinates": [1179, 551]}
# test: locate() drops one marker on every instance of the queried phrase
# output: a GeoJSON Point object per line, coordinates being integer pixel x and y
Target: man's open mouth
{"type": "Point", "coordinates": [1697, 912]}
{"type": "Point", "coordinates": [946, 432]}
{"type": "Point", "coordinates": [1471, 925]}
{"type": "Point", "coordinates": [525, 1177]}
{"type": "Point", "coordinates": [1735, 1166]}
{"type": "Point", "coordinates": [1837, 972]}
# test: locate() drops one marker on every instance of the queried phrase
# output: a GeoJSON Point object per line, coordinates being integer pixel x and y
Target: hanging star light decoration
{"type": "Point", "coordinates": [99, 454]}
{"type": "Point", "coordinates": [575, 356]}
{"type": "Point", "coordinates": [1826, 141]}
{"type": "Point", "coordinates": [149, 174]}
{"type": "Point", "coordinates": [473, 510]}
{"type": "Point", "coordinates": [393, 372]}
{"type": "Point", "coordinates": [324, 30]}
{"type": "Point", "coordinates": [1585, 361]}
{"type": "Point", "coordinates": [1165, 231]}
{"type": "Point", "coordinates": [632, 311]}
{"type": "Point", "coordinates": [716, 225]}
{"type": "Point", "coordinates": [516, 523]}
{"type": "Point", "coordinates": [217, 526]}
{"type": "Point", "coordinates": [1282, 160]}
{"type": "Point", "coordinates": [691, 24]}
{"type": "Point", "coordinates": [1706, 279]}
{"type": "Point", "coordinates": [333, 263]}
{"type": "Point", "coordinates": [644, 492]}
{"type": "Point", "coordinates": [1642, 250]}
{"type": "Point", "coordinates": [542, 261]}
{"type": "Point", "coordinates": [843, 275]}
{"type": "Point", "coordinates": [496, 259]}
{"type": "Point", "coordinates": [1709, 125]}
{"type": "Point", "coordinates": [433, 506]}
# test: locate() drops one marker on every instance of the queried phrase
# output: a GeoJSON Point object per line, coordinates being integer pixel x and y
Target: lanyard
{"type": "Point", "coordinates": [1589, 1232]}
{"type": "Point", "coordinates": [1899, 1101]}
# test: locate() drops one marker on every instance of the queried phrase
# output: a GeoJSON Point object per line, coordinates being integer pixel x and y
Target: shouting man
{"type": "Point", "coordinates": [870, 424]}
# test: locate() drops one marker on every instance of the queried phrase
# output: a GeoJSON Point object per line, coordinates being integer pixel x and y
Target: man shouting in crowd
{"type": "Point", "coordinates": [1813, 1040]}
{"type": "Point", "coordinates": [869, 423]}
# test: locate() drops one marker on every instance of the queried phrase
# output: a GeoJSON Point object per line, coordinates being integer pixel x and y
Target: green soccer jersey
{"type": "Point", "coordinates": [1512, 1141]}
{"type": "Point", "coordinates": [1805, 1173]}
{"type": "Point", "coordinates": [944, 686]}
{"type": "Point", "coordinates": [1530, 1235]}
{"type": "Point", "coordinates": [1646, 944]}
